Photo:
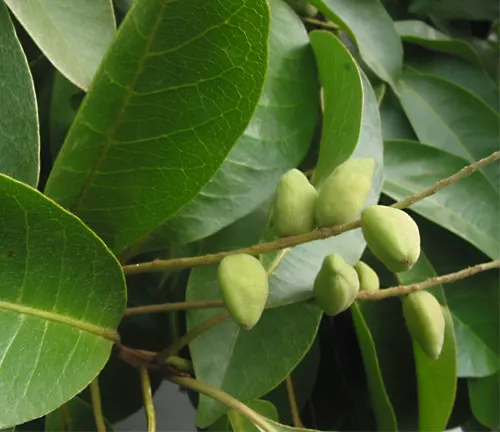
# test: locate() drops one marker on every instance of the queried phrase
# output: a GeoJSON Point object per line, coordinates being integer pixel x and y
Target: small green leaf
{"type": "Point", "coordinates": [19, 138]}
{"type": "Point", "coordinates": [484, 394]}
{"type": "Point", "coordinates": [62, 295]}
{"type": "Point", "coordinates": [73, 35]}
{"type": "Point", "coordinates": [166, 107]}
{"type": "Point", "coordinates": [372, 29]}
{"type": "Point", "coordinates": [469, 208]}
{"type": "Point", "coordinates": [450, 118]}
{"type": "Point", "coordinates": [459, 72]}
{"type": "Point", "coordinates": [436, 379]}
{"type": "Point", "coordinates": [240, 423]}
{"type": "Point", "coordinates": [419, 32]}
{"type": "Point", "coordinates": [382, 407]}
{"type": "Point", "coordinates": [276, 139]}
{"type": "Point", "coordinates": [74, 415]}
{"type": "Point", "coordinates": [343, 101]}
{"type": "Point", "coordinates": [283, 428]}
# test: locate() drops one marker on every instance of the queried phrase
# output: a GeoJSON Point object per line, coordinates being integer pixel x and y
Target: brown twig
{"type": "Point", "coordinates": [224, 398]}
{"type": "Point", "coordinates": [177, 306]}
{"type": "Point", "coordinates": [401, 290]}
{"type": "Point", "coordinates": [319, 234]}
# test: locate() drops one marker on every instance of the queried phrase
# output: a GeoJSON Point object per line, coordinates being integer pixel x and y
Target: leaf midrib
{"type": "Point", "coordinates": [111, 131]}
{"type": "Point", "coordinates": [103, 332]}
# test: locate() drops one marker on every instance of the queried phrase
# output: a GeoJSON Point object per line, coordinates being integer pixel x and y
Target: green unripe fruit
{"type": "Point", "coordinates": [303, 8]}
{"type": "Point", "coordinates": [425, 322]}
{"type": "Point", "coordinates": [244, 288]}
{"type": "Point", "coordinates": [293, 212]}
{"type": "Point", "coordinates": [368, 279]}
{"type": "Point", "coordinates": [336, 285]}
{"type": "Point", "coordinates": [392, 235]}
{"type": "Point", "coordinates": [343, 194]}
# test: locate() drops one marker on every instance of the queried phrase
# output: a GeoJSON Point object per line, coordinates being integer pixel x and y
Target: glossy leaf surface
{"type": "Point", "coordinates": [276, 139]}
{"type": "Point", "coordinates": [19, 138]}
{"type": "Point", "coordinates": [62, 297]}
{"type": "Point", "coordinates": [373, 30]}
{"type": "Point", "coordinates": [167, 105]}
{"type": "Point", "coordinates": [73, 35]}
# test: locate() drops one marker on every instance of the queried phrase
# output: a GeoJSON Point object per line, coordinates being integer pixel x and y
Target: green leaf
{"type": "Point", "coordinates": [240, 423]}
{"type": "Point", "coordinates": [343, 102]}
{"type": "Point", "coordinates": [484, 394]}
{"type": "Point", "coordinates": [469, 208]}
{"type": "Point", "coordinates": [19, 138]}
{"type": "Point", "coordinates": [283, 428]}
{"type": "Point", "coordinates": [373, 31]}
{"type": "Point", "coordinates": [450, 118]}
{"type": "Point", "coordinates": [74, 415]}
{"type": "Point", "coordinates": [62, 295]}
{"type": "Point", "coordinates": [419, 32]}
{"type": "Point", "coordinates": [473, 302]}
{"type": "Point", "coordinates": [168, 103]}
{"type": "Point", "coordinates": [456, 9]}
{"type": "Point", "coordinates": [436, 379]}
{"type": "Point", "coordinates": [276, 139]}
{"type": "Point", "coordinates": [382, 407]}
{"type": "Point", "coordinates": [459, 72]}
{"type": "Point", "coordinates": [73, 35]}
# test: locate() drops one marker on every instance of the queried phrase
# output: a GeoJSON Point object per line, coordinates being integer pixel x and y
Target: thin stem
{"type": "Point", "coordinates": [189, 336]}
{"type": "Point", "coordinates": [95, 395]}
{"type": "Point", "coordinates": [319, 234]}
{"type": "Point", "coordinates": [402, 290]}
{"type": "Point", "coordinates": [178, 306]}
{"type": "Point", "coordinates": [319, 23]}
{"type": "Point", "coordinates": [179, 363]}
{"type": "Point", "coordinates": [294, 409]}
{"type": "Point", "coordinates": [224, 398]}
{"type": "Point", "coordinates": [464, 172]}
{"type": "Point", "coordinates": [148, 399]}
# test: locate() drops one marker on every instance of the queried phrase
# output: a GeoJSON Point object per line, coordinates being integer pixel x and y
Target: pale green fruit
{"type": "Point", "coordinates": [303, 8]}
{"type": "Point", "coordinates": [425, 322]}
{"type": "Point", "coordinates": [293, 212]}
{"type": "Point", "coordinates": [368, 278]}
{"type": "Point", "coordinates": [392, 235]}
{"type": "Point", "coordinates": [343, 194]}
{"type": "Point", "coordinates": [336, 285]}
{"type": "Point", "coordinates": [244, 288]}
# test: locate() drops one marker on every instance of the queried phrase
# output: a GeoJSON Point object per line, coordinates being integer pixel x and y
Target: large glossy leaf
{"type": "Point", "coordinates": [277, 343]}
{"type": "Point", "coordinates": [395, 124]}
{"type": "Point", "coordinates": [19, 139]}
{"type": "Point", "coordinates": [381, 404]}
{"type": "Point", "coordinates": [276, 139]}
{"type": "Point", "coordinates": [74, 415]}
{"type": "Point", "coordinates": [418, 32]}
{"type": "Point", "coordinates": [436, 379]}
{"type": "Point", "coordinates": [469, 208]}
{"type": "Point", "coordinates": [62, 295]}
{"type": "Point", "coordinates": [169, 102]}
{"type": "Point", "coordinates": [448, 117]}
{"type": "Point", "coordinates": [473, 302]}
{"type": "Point", "coordinates": [484, 396]}
{"type": "Point", "coordinates": [342, 100]}
{"type": "Point", "coordinates": [372, 29]}
{"type": "Point", "coordinates": [73, 35]}
{"type": "Point", "coordinates": [460, 72]}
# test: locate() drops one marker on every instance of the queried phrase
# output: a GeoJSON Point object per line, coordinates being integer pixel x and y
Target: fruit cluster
{"type": "Point", "coordinates": [390, 233]}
